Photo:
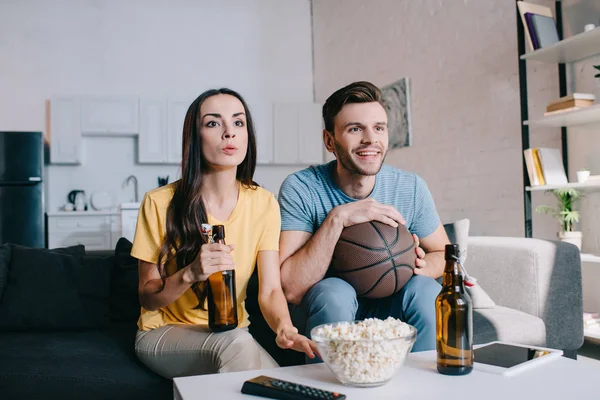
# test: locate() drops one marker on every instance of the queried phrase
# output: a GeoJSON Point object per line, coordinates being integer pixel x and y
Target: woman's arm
{"type": "Point", "coordinates": [273, 305]}
{"type": "Point", "coordinates": [155, 293]}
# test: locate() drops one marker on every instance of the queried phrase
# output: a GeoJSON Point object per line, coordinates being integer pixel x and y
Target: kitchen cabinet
{"type": "Point", "coordinates": [110, 115]}
{"type": "Point", "coordinates": [262, 115]}
{"type": "Point", "coordinates": [152, 142]}
{"type": "Point", "coordinates": [65, 130]}
{"type": "Point", "coordinates": [297, 133]}
{"type": "Point", "coordinates": [89, 228]}
{"type": "Point", "coordinates": [96, 230]}
{"type": "Point", "coordinates": [177, 110]}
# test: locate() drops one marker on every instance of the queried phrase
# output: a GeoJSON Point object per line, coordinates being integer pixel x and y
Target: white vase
{"type": "Point", "coordinates": [597, 91]}
{"type": "Point", "coordinates": [571, 237]}
{"type": "Point", "coordinates": [582, 176]}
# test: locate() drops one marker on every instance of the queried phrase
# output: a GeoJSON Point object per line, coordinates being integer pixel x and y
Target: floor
{"type": "Point", "coordinates": [589, 352]}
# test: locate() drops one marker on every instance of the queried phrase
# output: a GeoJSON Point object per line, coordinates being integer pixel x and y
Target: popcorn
{"type": "Point", "coordinates": [365, 352]}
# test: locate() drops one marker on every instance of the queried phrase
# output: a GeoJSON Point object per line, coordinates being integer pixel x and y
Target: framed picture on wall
{"type": "Point", "coordinates": [397, 103]}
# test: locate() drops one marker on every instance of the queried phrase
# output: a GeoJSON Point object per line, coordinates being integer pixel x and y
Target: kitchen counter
{"type": "Point", "coordinates": [82, 213]}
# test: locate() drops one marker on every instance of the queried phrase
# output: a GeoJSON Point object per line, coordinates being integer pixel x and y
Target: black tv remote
{"type": "Point", "coordinates": [274, 388]}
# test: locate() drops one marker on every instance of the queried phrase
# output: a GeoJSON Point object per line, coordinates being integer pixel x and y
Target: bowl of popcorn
{"type": "Point", "coordinates": [364, 353]}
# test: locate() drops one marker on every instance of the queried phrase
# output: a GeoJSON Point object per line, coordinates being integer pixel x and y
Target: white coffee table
{"type": "Point", "coordinates": [562, 379]}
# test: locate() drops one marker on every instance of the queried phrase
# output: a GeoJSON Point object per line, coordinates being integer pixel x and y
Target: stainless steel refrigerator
{"type": "Point", "coordinates": [21, 189]}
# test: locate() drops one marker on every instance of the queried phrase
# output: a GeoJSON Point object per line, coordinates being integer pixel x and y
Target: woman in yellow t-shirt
{"type": "Point", "coordinates": [216, 187]}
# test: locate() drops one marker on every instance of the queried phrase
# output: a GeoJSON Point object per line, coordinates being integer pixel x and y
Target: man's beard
{"type": "Point", "coordinates": [348, 163]}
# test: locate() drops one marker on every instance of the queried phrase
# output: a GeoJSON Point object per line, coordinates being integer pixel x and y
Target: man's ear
{"type": "Point", "coordinates": [328, 140]}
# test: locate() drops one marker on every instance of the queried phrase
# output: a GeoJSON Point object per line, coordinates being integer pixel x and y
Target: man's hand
{"type": "Point", "coordinates": [367, 210]}
{"type": "Point", "coordinates": [420, 263]}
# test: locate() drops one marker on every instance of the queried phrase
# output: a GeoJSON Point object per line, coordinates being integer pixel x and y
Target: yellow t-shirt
{"type": "Point", "coordinates": [253, 226]}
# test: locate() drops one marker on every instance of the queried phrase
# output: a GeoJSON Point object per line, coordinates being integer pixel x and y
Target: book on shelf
{"type": "Point", "coordinates": [573, 96]}
{"type": "Point", "coordinates": [540, 28]}
{"type": "Point", "coordinates": [545, 167]}
{"type": "Point", "coordinates": [572, 102]}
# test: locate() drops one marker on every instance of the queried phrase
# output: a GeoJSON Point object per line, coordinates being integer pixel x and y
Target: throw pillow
{"type": "Point", "coordinates": [4, 263]}
{"type": "Point", "coordinates": [54, 290]}
{"type": "Point", "coordinates": [458, 233]}
{"type": "Point", "coordinates": [124, 300]}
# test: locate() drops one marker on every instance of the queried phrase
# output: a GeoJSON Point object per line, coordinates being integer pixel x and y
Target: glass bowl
{"type": "Point", "coordinates": [361, 355]}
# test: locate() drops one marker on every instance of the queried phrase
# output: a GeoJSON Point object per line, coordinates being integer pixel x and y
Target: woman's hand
{"type": "Point", "coordinates": [289, 338]}
{"type": "Point", "coordinates": [213, 257]}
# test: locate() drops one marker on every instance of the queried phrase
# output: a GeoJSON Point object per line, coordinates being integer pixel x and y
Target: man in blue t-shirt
{"type": "Point", "coordinates": [319, 202]}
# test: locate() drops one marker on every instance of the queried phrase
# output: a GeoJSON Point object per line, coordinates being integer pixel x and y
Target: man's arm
{"type": "Point", "coordinates": [305, 258]}
{"type": "Point", "coordinates": [432, 262]}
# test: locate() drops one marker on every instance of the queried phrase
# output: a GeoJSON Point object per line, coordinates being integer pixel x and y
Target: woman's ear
{"type": "Point", "coordinates": [329, 141]}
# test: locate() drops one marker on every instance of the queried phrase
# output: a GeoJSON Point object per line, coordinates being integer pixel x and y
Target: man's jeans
{"type": "Point", "coordinates": [333, 300]}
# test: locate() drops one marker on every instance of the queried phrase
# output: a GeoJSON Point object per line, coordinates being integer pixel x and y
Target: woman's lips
{"type": "Point", "coordinates": [229, 150]}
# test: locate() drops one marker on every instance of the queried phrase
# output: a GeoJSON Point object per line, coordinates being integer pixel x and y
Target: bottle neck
{"type": "Point", "coordinates": [452, 277]}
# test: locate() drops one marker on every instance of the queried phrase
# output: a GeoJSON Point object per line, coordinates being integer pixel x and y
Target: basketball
{"type": "Point", "coordinates": [375, 258]}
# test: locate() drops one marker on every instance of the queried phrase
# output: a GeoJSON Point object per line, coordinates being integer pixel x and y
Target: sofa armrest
{"type": "Point", "coordinates": [538, 277]}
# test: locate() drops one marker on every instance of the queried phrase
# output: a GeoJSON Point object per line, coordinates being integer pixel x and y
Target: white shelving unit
{"type": "Point", "coordinates": [590, 258]}
{"type": "Point", "coordinates": [584, 116]}
{"type": "Point", "coordinates": [592, 333]}
{"type": "Point", "coordinates": [572, 49]}
{"type": "Point", "coordinates": [574, 185]}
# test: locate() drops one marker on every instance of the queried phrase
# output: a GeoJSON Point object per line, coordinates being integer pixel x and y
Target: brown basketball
{"type": "Point", "coordinates": [375, 258]}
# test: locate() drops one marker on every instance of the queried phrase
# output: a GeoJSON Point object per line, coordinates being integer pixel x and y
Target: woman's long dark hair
{"type": "Point", "coordinates": [186, 212]}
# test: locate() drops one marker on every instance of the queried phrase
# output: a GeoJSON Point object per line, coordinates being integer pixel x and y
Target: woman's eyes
{"type": "Point", "coordinates": [212, 124]}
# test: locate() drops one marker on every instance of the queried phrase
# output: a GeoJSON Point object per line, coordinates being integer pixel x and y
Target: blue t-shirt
{"type": "Point", "coordinates": [307, 196]}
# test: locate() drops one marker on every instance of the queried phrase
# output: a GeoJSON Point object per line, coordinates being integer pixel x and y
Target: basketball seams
{"type": "Point", "coordinates": [374, 244]}
{"type": "Point", "coordinates": [390, 254]}
{"type": "Point", "coordinates": [380, 262]}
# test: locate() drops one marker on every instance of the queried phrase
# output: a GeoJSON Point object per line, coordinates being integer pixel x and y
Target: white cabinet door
{"type": "Point", "coordinates": [110, 115]}
{"type": "Point", "coordinates": [262, 114]}
{"type": "Point", "coordinates": [297, 133]}
{"type": "Point", "coordinates": [93, 231]}
{"type": "Point", "coordinates": [177, 110]}
{"type": "Point", "coordinates": [65, 130]}
{"type": "Point", "coordinates": [310, 134]}
{"type": "Point", "coordinates": [285, 133]}
{"type": "Point", "coordinates": [152, 142]}
{"type": "Point", "coordinates": [128, 223]}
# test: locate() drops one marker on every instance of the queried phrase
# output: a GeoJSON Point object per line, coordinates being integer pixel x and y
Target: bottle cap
{"type": "Point", "coordinates": [451, 252]}
{"type": "Point", "coordinates": [218, 232]}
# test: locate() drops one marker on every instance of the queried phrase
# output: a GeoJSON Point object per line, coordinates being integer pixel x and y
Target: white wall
{"type": "Point", "coordinates": [461, 57]}
{"type": "Point", "coordinates": [261, 48]}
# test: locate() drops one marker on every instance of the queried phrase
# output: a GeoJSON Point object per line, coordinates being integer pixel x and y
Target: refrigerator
{"type": "Point", "coordinates": [21, 189]}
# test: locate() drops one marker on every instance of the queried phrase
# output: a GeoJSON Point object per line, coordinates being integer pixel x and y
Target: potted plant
{"type": "Point", "coordinates": [597, 76]}
{"type": "Point", "coordinates": [565, 214]}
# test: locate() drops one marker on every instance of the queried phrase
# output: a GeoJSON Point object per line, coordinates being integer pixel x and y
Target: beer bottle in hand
{"type": "Point", "coordinates": [222, 298]}
{"type": "Point", "coordinates": [454, 320]}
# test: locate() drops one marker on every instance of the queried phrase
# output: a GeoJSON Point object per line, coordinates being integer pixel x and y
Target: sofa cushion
{"type": "Point", "coordinates": [55, 290]}
{"type": "Point", "coordinates": [4, 263]}
{"type": "Point", "coordinates": [97, 364]}
{"type": "Point", "coordinates": [506, 324]}
{"type": "Point", "coordinates": [124, 300]}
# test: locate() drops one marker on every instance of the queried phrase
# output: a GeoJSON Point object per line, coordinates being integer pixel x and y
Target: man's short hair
{"type": "Point", "coordinates": [356, 92]}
